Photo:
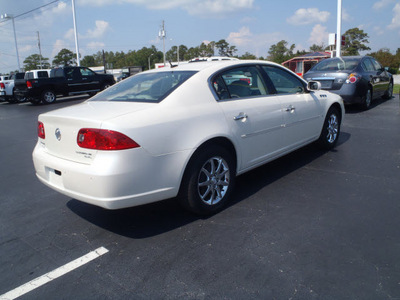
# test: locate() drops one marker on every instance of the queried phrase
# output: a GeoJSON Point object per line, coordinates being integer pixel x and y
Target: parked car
{"type": "Point", "coordinates": [357, 79]}
{"type": "Point", "coordinates": [62, 81]}
{"type": "Point", "coordinates": [7, 88]}
{"type": "Point", "coordinates": [182, 131]}
{"type": "Point", "coordinates": [34, 74]}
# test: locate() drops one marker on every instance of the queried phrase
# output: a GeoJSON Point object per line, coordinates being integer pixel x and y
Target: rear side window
{"type": "Point", "coordinates": [42, 74]}
{"type": "Point", "coordinates": [57, 73]}
{"type": "Point", "coordinates": [367, 65]}
{"type": "Point", "coordinates": [283, 81]}
{"type": "Point", "coordinates": [145, 87]}
{"type": "Point", "coordinates": [377, 65]}
{"type": "Point", "coordinates": [242, 82]}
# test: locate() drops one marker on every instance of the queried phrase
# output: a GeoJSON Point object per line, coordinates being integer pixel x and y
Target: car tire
{"type": "Point", "coordinates": [367, 100]}
{"type": "Point", "coordinates": [105, 86]}
{"type": "Point", "coordinates": [34, 101]}
{"type": "Point", "coordinates": [330, 130]}
{"type": "Point", "coordinates": [48, 96]}
{"type": "Point", "coordinates": [208, 180]}
{"type": "Point", "coordinates": [18, 99]}
{"type": "Point", "coordinates": [10, 99]}
{"type": "Point", "coordinates": [389, 92]}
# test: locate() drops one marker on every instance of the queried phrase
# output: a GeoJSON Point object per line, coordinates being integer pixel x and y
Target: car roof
{"type": "Point", "coordinates": [211, 65]}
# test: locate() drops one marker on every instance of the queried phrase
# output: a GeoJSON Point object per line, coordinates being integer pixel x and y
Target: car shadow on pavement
{"type": "Point", "coordinates": [355, 108]}
{"type": "Point", "coordinates": [156, 218]}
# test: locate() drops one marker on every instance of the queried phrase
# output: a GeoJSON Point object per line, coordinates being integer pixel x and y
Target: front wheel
{"type": "Point", "coordinates": [208, 181]}
{"type": "Point", "coordinates": [105, 86]}
{"type": "Point", "coordinates": [331, 129]}
{"type": "Point", "coordinates": [48, 97]}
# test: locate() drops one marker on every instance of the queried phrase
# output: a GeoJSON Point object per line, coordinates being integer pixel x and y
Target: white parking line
{"type": "Point", "coordinates": [46, 278]}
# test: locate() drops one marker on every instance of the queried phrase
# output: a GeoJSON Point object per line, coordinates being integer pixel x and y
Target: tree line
{"type": "Point", "coordinates": [356, 41]}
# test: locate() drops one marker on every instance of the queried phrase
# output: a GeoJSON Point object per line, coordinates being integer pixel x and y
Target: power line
{"type": "Point", "coordinates": [32, 10]}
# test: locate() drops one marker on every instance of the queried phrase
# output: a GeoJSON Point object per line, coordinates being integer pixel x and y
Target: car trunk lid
{"type": "Point", "coordinates": [62, 127]}
{"type": "Point", "coordinates": [329, 81]}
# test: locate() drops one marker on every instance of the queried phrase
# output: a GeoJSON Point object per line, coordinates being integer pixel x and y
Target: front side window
{"type": "Point", "coordinates": [145, 87]}
{"type": "Point", "coordinates": [86, 72]}
{"type": "Point", "coordinates": [242, 82]}
{"type": "Point", "coordinates": [283, 81]}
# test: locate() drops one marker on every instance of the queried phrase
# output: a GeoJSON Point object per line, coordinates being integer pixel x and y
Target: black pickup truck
{"type": "Point", "coordinates": [62, 81]}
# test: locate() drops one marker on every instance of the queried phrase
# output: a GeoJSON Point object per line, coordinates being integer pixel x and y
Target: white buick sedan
{"type": "Point", "coordinates": [184, 131]}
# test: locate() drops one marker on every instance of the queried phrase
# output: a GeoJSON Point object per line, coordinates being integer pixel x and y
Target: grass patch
{"type": "Point", "coordinates": [396, 89]}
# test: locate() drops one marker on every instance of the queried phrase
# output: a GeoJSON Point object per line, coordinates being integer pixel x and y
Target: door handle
{"type": "Point", "coordinates": [241, 116]}
{"type": "Point", "coordinates": [290, 108]}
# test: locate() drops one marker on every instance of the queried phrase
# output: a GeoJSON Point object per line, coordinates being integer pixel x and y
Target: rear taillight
{"type": "Point", "coordinates": [41, 133]}
{"type": "Point", "coordinates": [29, 84]}
{"type": "Point", "coordinates": [102, 139]}
{"type": "Point", "coordinates": [353, 78]}
{"type": "Point", "coordinates": [2, 86]}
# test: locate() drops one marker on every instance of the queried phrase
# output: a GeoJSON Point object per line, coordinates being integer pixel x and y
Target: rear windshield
{"type": "Point", "coordinates": [145, 87]}
{"type": "Point", "coordinates": [336, 64]}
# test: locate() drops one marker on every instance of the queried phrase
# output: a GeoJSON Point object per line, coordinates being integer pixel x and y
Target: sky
{"type": "Point", "coordinates": [251, 25]}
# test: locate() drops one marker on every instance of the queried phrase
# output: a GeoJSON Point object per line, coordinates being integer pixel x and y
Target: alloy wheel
{"type": "Point", "coordinates": [213, 180]}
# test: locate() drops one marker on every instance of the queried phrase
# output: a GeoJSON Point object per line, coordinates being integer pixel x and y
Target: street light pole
{"type": "Point", "coordinates": [78, 62]}
{"type": "Point", "coordinates": [339, 29]}
{"type": "Point", "coordinates": [7, 16]}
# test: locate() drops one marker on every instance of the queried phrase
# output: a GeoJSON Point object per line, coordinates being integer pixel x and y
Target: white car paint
{"type": "Point", "coordinates": [169, 132]}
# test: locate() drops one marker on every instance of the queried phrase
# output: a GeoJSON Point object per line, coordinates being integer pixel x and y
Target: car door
{"type": "Point", "coordinates": [302, 110]}
{"type": "Point", "coordinates": [253, 115]}
{"type": "Point", "coordinates": [90, 81]}
{"type": "Point", "coordinates": [74, 80]}
{"type": "Point", "coordinates": [382, 78]}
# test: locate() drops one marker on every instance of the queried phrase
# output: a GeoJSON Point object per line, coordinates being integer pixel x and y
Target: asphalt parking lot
{"type": "Point", "coordinates": [311, 225]}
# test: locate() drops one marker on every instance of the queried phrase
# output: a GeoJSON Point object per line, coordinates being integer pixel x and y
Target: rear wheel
{"type": "Point", "coordinates": [389, 92]}
{"type": "Point", "coordinates": [208, 181]}
{"type": "Point", "coordinates": [331, 129]}
{"type": "Point", "coordinates": [366, 104]}
{"type": "Point", "coordinates": [48, 96]}
{"type": "Point", "coordinates": [19, 99]}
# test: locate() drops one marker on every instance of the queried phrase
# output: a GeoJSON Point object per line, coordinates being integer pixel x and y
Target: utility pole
{"type": "Point", "coordinates": [8, 16]}
{"type": "Point", "coordinates": [40, 50]}
{"type": "Point", "coordinates": [162, 34]}
{"type": "Point", "coordinates": [339, 29]}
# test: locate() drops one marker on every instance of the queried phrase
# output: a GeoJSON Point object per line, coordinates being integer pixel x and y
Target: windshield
{"type": "Point", "coordinates": [336, 64]}
{"type": "Point", "coordinates": [145, 87]}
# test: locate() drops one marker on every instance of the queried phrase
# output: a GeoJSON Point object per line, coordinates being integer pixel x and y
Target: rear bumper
{"type": "Point", "coordinates": [132, 178]}
{"type": "Point", "coordinates": [350, 93]}
{"type": "Point", "coordinates": [29, 93]}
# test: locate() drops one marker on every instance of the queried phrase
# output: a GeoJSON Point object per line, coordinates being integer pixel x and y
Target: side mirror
{"type": "Point", "coordinates": [314, 85]}
{"type": "Point", "coordinates": [386, 69]}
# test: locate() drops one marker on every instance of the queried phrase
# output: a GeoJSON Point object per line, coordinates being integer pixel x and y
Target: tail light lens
{"type": "Point", "coordinates": [2, 86]}
{"type": "Point", "coordinates": [102, 139]}
{"type": "Point", "coordinates": [29, 84]}
{"type": "Point", "coordinates": [41, 133]}
{"type": "Point", "coordinates": [353, 78]}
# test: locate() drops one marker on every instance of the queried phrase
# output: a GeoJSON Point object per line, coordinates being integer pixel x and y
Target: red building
{"type": "Point", "coordinates": [301, 64]}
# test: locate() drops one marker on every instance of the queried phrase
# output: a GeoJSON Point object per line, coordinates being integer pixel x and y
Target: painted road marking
{"type": "Point", "coordinates": [46, 278]}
